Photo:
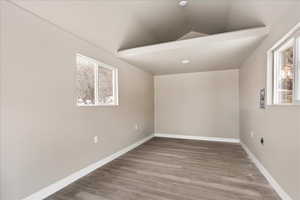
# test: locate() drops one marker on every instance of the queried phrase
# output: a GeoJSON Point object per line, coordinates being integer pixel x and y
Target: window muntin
{"type": "Point", "coordinates": [96, 83]}
{"type": "Point", "coordinates": [283, 73]}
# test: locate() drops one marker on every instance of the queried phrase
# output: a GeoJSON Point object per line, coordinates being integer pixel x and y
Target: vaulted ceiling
{"type": "Point", "coordinates": [121, 24]}
{"type": "Point", "coordinates": [117, 25]}
{"type": "Point", "coordinates": [205, 53]}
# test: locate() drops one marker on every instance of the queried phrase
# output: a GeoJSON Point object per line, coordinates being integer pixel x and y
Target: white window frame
{"type": "Point", "coordinates": [272, 70]}
{"type": "Point", "coordinates": [297, 69]}
{"type": "Point", "coordinates": [96, 82]}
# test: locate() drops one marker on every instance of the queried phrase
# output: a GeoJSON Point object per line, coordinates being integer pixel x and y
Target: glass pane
{"type": "Point", "coordinates": [85, 81]}
{"type": "Point", "coordinates": [105, 91]}
{"type": "Point", "coordinates": [285, 75]}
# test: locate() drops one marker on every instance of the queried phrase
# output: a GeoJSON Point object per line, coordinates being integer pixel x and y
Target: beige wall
{"type": "Point", "coordinates": [279, 125]}
{"type": "Point", "coordinates": [1, 151]}
{"type": "Point", "coordinates": [197, 104]}
{"type": "Point", "coordinates": [45, 137]}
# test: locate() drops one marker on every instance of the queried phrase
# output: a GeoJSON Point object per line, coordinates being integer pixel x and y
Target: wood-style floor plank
{"type": "Point", "coordinates": [174, 169]}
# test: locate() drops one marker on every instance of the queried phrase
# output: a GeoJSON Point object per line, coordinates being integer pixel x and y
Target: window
{"type": "Point", "coordinates": [96, 83]}
{"type": "Point", "coordinates": [283, 73]}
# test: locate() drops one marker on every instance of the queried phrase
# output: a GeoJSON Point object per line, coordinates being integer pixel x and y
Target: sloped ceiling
{"type": "Point", "coordinates": [117, 25]}
{"type": "Point", "coordinates": [214, 52]}
{"type": "Point", "coordinates": [122, 24]}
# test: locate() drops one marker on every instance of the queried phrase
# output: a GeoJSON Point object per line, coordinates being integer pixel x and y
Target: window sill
{"type": "Point", "coordinates": [99, 105]}
{"type": "Point", "coordinates": [283, 105]}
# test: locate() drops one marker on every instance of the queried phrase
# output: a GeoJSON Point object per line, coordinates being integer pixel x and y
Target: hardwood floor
{"type": "Point", "coordinates": [174, 169]}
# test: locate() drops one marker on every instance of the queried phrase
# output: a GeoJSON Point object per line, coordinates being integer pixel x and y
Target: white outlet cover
{"type": "Point", "coordinates": [136, 127]}
{"type": "Point", "coordinates": [252, 134]}
{"type": "Point", "coordinates": [96, 139]}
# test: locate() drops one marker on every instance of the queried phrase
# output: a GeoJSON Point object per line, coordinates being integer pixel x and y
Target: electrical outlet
{"type": "Point", "coordinates": [252, 134]}
{"type": "Point", "coordinates": [95, 139]}
{"type": "Point", "coordinates": [136, 127]}
{"type": "Point", "coordinates": [262, 141]}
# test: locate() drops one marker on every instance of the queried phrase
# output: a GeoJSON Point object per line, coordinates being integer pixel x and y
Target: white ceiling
{"type": "Point", "coordinates": [121, 24]}
{"type": "Point", "coordinates": [214, 52]}
{"type": "Point", "coordinates": [116, 25]}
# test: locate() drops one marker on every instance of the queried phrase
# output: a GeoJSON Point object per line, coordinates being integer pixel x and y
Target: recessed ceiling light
{"type": "Point", "coordinates": [183, 3]}
{"type": "Point", "coordinates": [185, 61]}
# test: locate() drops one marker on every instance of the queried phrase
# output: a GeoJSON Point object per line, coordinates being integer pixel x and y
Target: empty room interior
{"type": "Point", "coordinates": [150, 99]}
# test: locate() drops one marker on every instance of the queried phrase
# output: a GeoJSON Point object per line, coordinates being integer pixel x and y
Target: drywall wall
{"type": "Point", "coordinates": [279, 125]}
{"type": "Point", "coordinates": [46, 137]}
{"type": "Point", "coordinates": [1, 182]}
{"type": "Point", "coordinates": [197, 104]}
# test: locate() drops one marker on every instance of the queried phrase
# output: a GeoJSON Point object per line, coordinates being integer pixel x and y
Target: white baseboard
{"type": "Point", "coordinates": [189, 137]}
{"type": "Point", "coordinates": [51, 189]}
{"type": "Point", "coordinates": [283, 195]}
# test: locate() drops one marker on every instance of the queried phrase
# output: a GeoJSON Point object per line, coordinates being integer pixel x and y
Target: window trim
{"type": "Point", "coordinates": [271, 71]}
{"type": "Point", "coordinates": [96, 82]}
{"type": "Point", "coordinates": [297, 69]}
